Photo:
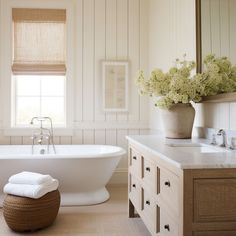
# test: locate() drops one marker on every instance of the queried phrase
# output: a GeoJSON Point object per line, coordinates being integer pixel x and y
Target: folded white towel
{"type": "Point", "coordinates": [31, 191]}
{"type": "Point", "coordinates": [26, 177]}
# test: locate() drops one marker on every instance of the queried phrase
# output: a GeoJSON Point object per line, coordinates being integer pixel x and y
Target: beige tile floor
{"type": "Point", "coordinates": [107, 219]}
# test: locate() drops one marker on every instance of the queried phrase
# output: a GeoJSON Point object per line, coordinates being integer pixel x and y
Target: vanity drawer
{"type": "Point", "coordinates": [168, 227]}
{"type": "Point", "coordinates": [135, 192]}
{"type": "Point", "coordinates": [135, 162]}
{"type": "Point", "coordinates": [150, 212]}
{"type": "Point", "coordinates": [169, 189]}
{"type": "Point", "coordinates": [150, 175]}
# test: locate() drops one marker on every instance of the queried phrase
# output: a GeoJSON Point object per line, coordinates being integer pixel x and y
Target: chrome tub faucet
{"type": "Point", "coordinates": [43, 134]}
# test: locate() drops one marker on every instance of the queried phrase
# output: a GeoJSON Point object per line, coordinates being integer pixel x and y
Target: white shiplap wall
{"type": "Point", "coordinates": [218, 37]}
{"type": "Point", "coordinates": [172, 34]}
{"type": "Point", "coordinates": [111, 30]}
{"type": "Point", "coordinates": [177, 36]}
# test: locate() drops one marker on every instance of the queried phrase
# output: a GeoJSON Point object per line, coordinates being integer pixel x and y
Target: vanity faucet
{"type": "Point", "coordinates": [222, 133]}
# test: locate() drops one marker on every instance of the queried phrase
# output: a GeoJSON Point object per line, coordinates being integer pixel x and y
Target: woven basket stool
{"type": "Point", "coordinates": [26, 214]}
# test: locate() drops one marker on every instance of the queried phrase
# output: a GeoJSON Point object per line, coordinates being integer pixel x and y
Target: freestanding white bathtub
{"type": "Point", "coordinates": [82, 170]}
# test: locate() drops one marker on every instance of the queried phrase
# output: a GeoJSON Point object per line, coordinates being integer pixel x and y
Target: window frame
{"type": "Point", "coordinates": [6, 84]}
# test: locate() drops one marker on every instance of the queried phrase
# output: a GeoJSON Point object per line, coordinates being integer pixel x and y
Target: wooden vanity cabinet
{"type": "Point", "coordinates": [210, 202]}
{"type": "Point", "coordinates": [156, 195]}
{"type": "Point", "coordinates": [176, 202]}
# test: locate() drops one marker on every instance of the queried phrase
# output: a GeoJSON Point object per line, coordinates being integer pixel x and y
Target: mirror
{"type": "Point", "coordinates": [115, 86]}
{"type": "Point", "coordinates": [216, 31]}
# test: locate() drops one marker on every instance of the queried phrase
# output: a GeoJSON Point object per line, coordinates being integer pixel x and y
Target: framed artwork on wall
{"type": "Point", "coordinates": [115, 86]}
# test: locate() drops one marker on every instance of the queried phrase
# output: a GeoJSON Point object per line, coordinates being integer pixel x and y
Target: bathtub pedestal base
{"type": "Point", "coordinates": [83, 199]}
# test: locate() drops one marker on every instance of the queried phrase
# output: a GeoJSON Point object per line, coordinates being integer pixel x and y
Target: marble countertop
{"type": "Point", "coordinates": [184, 157]}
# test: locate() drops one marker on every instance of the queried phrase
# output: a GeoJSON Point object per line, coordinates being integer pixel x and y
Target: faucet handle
{"type": "Point", "coordinates": [221, 132]}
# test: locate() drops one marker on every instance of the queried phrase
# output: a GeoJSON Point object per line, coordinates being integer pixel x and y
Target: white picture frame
{"type": "Point", "coordinates": [115, 78]}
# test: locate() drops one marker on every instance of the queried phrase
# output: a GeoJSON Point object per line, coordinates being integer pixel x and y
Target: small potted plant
{"type": "Point", "coordinates": [177, 89]}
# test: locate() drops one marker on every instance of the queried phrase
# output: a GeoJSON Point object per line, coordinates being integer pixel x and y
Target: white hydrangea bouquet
{"type": "Point", "coordinates": [219, 75]}
{"type": "Point", "coordinates": [179, 86]}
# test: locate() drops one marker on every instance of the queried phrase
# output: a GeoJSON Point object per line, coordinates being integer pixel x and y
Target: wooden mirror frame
{"type": "Point", "coordinates": [198, 35]}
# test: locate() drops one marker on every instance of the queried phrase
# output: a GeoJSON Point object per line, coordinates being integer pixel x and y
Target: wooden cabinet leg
{"type": "Point", "coordinates": [131, 210]}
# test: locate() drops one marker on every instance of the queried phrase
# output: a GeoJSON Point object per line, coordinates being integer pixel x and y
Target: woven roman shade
{"type": "Point", "coordinates": [39, 41]}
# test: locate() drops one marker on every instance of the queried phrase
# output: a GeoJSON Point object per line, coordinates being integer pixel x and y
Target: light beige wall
{"type": "Point", "coordinates": [171, 34]}
{"type": "Point", "coordinates": [105, 30]}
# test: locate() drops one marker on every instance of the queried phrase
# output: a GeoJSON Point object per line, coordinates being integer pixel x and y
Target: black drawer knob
{"type": "Point", "coordinates": [148, 202]}
{"type": "Point", "coordinates": [167, 227]}
{"type": "Point", "coordinates": [167, 183]}
{"type": "Point", "coordinates": [148, 169]}
{"type": "Point", "coordinates": [134, 157]}
{"type": "Point", "coordinates": [134, 185]}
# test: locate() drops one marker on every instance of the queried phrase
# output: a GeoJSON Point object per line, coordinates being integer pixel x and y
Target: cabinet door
{"type": "Point", "coordinates": [210, 202]}
{"type": "Point", "coordinates": [214, 200]}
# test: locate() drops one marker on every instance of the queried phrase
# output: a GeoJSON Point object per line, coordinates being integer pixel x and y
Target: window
{"type": "Point", "coordinates": [38, 65]}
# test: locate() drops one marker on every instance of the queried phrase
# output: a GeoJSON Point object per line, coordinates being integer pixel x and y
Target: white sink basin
{"type": "Point", "coordinates": [197, 148]}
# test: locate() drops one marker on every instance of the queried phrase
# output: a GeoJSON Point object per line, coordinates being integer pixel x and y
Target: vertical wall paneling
{"type": "Point", "coordinates": [100, 54]}
{"type": "Point", "coordinates": [223, 115]}
{"type": "Point", "coordinates": [232, 115]}
{"type": "Point", "coordinates": [173, 5]}
{"type": "Point", "coordinates": [188, 46]}
{"type": "Point", "coordinates": [27, 140]}
{"type": "Point", "coordinates": [1, 45]}
{"type": "Point", "coordinates": [111, 137]}
{"type": "Point", "coordinates": [143, 55]}
{"type": "Point", "coordinates": [224, 27]}
{"type": "Point", "coordinates": [100, 136]}
{"type": "Point", "coordinates": [78, 137]}
{"type": "Point", "coordinates": [78, 89]}
{"type": "Point", "coordinates": [122, 39]}
{"type": "Point", "coordinates": [134, 54]}
{"type": "Point", "coordinates": [121, 141]}
{"type": "Point", "coordinates": [88, 137]}
{"type": "Point", "coordinates": [178, 28]}
{"type": "Point", "coordinates": [215, 27]}
{"type": "Point", "coordinates": [3, 139]}
{"type": "Point", "coordinates": [57, 140]}
{"type": "Point", "coordinates": [232, 7]}
{"type": "Point", "coordinates": [111, 39]}
{"type": "Point", "coordinates": [218, 31]}
{"type": "Point", "coordinates": [16, 140]}
{"type": "Point", "coordinates": [144, 131]}
{"type": "Point", "coordinates": [169, 40]}
{"type": "Point", "coordinates": [88, 61]}
{"type": "Point", "coordinates": [66, 140]}
{"type": "Point", "coordinates": [206, 28]}
{"type": "Point", "coordinates": [1, 61]}
{"type": "Point", "coordinates": [104, 30]}
{"type": "Point", "coordinates": [133, 132]}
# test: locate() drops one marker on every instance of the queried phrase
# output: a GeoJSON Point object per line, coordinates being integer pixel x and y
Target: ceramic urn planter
{"type": "Point", "coordinates": [178, 121]}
